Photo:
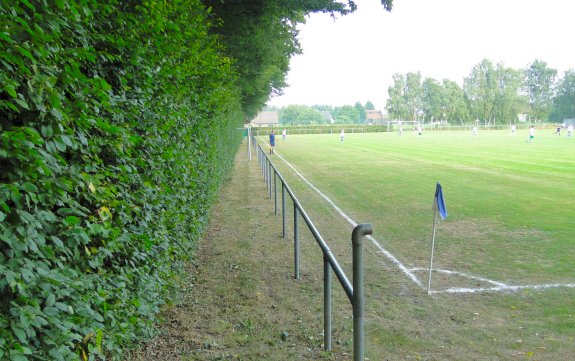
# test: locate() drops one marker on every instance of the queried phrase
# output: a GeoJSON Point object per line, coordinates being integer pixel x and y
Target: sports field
{"type": "Point", "coordinates": [509, 238]}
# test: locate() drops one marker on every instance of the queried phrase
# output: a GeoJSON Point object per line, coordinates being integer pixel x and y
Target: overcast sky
{"type": "Point", "coordinates": [354, 57]}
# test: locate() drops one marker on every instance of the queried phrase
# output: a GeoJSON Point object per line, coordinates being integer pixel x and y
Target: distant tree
{"type": "Point", "coordinates": [369, 106]}
{"type": "Point", "coordinates": [433, 104]}
{"type": "Point", "coordinates": [346, 115]}
{"type": "Point", "coordinates": [508, 101]}
{"type": "Point", "coordinates": [564, 102]}
{"type": "Point", "coordinates": [323, 108]}
{"type": "Point", "coordinates": [413, 95]}
{"type": "Point", "coordinates": [455, 107]}
{"type": "Point", "coordinates": [480, 90]}
{"type": "Point", "coordinates": [405, 97]}
{"type": "Point", "coordinates": [539, 84]}
{"type": "Point", "coordinates": [395, 105]}
{"type": "Point", "coordinates": [360, 110]}
{"type": "Point", "coordinates": [300, 115]}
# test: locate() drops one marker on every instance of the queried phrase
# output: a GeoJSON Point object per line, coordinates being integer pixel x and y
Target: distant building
{"type": "Point", "coordinates": [265, 118]}
{"type": "Point", "coordinates": [568, 122]}
{"type": "Point", "coordinates": [373, 116]}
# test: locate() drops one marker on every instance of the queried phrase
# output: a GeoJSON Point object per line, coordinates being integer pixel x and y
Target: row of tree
{"type": "Point", "coordinates": [322, 114]}
{"type": "Point", "coordinates": [491, 93]}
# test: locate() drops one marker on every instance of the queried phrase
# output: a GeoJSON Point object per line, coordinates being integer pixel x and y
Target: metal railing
{"type": "Point", "coordinates": [354, 292]}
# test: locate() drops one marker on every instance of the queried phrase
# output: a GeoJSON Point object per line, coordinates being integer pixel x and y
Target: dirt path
{"type": "Point", "coordinates": [239, 300]}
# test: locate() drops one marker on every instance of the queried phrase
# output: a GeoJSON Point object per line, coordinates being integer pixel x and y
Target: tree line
{"type": "Point", "coordinates": [491, 94]}
{"type": "Point", "coordinates": [294, 115]}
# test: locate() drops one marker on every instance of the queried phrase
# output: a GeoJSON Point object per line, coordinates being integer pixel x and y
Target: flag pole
{"type": "Point", "coordinates": [432, 247]}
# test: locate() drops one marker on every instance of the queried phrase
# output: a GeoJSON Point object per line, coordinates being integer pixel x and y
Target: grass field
{"type": "Point", "coordinates": [511, 211]}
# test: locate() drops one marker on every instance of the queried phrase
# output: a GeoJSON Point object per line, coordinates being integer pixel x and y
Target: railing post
{"type": "Point", "coordinates": [296, 240]}
{"type": "Point", "coordinates": [266, 171]}
{"type": "Point", "coordinates": [358, 298]}
{"type": "Point", "coordinates": [270, 170]}
{"type": "Point", "coordinates": [275, 193]}
{"type": "Point", "coordinates": [262, 157]}
{"type": "Point", "coordinates": [283, 210]}
{"type": "Point", "coordinates": [326, 304]}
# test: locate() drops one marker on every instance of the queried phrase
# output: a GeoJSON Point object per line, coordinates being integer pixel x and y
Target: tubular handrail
{"type": "Point", "coordinates": [353, 291]}
{"type": "Point", "coordinates": [345, 283]}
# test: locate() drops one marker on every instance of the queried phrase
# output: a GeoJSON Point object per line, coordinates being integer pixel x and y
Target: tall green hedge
{"type": "Point", "coordinates": [118, 123]}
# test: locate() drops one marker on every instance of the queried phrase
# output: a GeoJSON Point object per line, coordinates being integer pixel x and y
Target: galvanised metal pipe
{"type": "Point", "coordinates": [275, 193]}
{"type": "Point", "coordinates": [344, 281]}
{"type": "Point", "coordinates": [296, 241]}
{"type": "Point", "coordinates": [326, 304]}
{"type": "Point", "coordinates": [358, 298]}
{"type": "Point", "coordinates": [270, 177]}
{"type": "Point", "coordinates": [283, 210]}
{"type": "Point", "coordinates": [266, 171]}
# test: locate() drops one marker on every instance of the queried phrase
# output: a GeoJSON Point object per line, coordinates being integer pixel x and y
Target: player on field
{"type": "Point", "coordinates": [558, 130]}
{"type": "Point", "coordinates": [272, 142]}
{"type": "Point", "coordinates": [531, 134]}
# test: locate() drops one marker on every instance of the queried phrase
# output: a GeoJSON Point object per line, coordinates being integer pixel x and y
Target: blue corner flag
{"type": "Point", "coordinates": [439, 202]}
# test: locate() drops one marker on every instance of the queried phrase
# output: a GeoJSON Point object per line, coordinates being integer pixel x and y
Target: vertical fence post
{"type": "Point", "coordinates": [283, 210]}
{"type": "Point", "coordinates": [270, 170]}
{"type": "Point", "coordinates": [296, 241]}
{"type": "Point", "coordinates": [358, 299]}
{"type": "Point", "coordinates": [267, 171]}
{"type": "Point", "coordinates": [275, 193]}
{"type": "Point", "coordinates": [326, 304]}
{"type": "Point", "coordinates": [262, 157]}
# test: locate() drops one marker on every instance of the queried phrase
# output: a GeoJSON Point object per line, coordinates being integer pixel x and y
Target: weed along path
{"type": "Point", "coordinates": [239, 300]}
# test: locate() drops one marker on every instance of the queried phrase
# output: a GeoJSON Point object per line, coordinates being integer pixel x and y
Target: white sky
{"type": "Point", "coordinates": [354, 57]}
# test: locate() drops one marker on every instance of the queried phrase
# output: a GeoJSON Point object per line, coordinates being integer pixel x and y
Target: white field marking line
{"type": "Point", "coordinates": [391, 257]}
{"type": "Point", "coordinates": [477, 278]}
{"type": "Point", "coordinates": [506, 288]}
{"type": "Point", "coordinates": [500, 286]}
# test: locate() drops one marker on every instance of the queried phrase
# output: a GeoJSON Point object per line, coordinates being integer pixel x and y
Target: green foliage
{"type": "Point", "coordinates": [539, 81]}
{"type": "Point", "coordinates": [564, 102]}
{"type": "Point", "coordinates": [492, 93]}
{"type": "Point", "coordinates": [361, 111]}
{"type": "Point", "coordinates": [346, 115]}
{"type": "Point", "coordinates": [118, 124]}
{"type": "Point", "coordinates": [261, 36]}
{"type": "Point", "coordinates": [301, 115]}
{"type": "Point", "coordinates": [405, 97]}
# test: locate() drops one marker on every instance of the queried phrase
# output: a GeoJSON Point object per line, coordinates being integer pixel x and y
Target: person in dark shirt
{"type": "Point", "coordinates": [272, 142]}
